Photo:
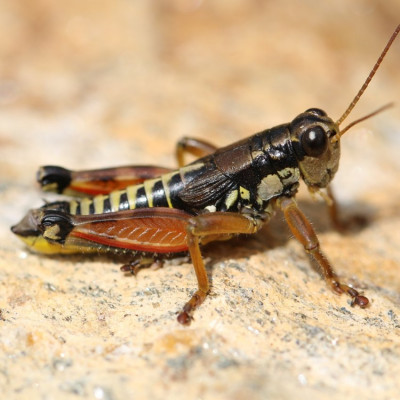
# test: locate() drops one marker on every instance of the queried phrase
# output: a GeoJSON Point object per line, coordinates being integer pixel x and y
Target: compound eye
{"type": "Point", "coordinates": [316, 111]}
{"type": "Point", "coordinates": [314, 141]}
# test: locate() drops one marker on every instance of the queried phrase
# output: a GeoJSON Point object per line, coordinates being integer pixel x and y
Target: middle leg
{"type": "Point", "coordinates": [195, 147]}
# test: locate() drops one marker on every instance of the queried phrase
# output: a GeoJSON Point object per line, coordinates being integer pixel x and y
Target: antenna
{"type": "Point", "coordinates": [366, 83]}
{"type": "Point", "coordinates": [372, 114]}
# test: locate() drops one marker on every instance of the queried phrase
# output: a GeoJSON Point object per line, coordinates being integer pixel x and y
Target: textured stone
{"type": "Point", "coordinates": [93, 84]}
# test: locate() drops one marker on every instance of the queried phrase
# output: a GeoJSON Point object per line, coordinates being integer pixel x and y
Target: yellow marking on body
{"type": "Point", "coordinates": [52, 232]}
{"type": "Point", "coordinates": [73, 205]}
{"type": "Point", "coordinates": [115, 200]}
{"type": "Point", "coordinates": [98, 202]}
{"type": "Point", "coordinates": [244, 193]}
{"type": "Point", "coordinates": [189, 169]}
{"type": "Point", "coordinates": [50, 187]}
{"type": "Point", "coordinates": [166, 179]}
{"type": "Point", "coordinates": [148, 189]}
{"type": "Point", "coordinates": [85, 203]}
{"type": "Point", "coordinates": [231, 199]}
{"type": "Point", "coordinates": [131, 192]}
{"type": "Point", "coordinates": [41, 245]}
{"type": "Point", "coordinates": [211, 208]}
{"type": "Point", "coordinates": [289, 175]}
{"type": "Point", "coordinates": [257, 153]}
{"type": "Point", "coordinates": [269, 187]}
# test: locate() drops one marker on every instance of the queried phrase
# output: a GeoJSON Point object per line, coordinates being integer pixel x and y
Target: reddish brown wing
{"type": "Point", "coordinates": [94, 182]}
{"type": "Point", "coordinates": [158, 230]}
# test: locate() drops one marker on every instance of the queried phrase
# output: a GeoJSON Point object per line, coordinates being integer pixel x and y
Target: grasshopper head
{"type": "Point", "coordinates": [314, 138]}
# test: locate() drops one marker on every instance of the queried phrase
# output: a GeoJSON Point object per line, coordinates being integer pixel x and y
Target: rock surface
{"type": "Point", "coordinates": [94, 84]}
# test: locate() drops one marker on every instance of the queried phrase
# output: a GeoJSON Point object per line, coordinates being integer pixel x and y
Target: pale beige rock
{"type": "Point", "coordinates": [92, 84]}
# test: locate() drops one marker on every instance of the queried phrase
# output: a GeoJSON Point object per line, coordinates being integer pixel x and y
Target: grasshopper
{"type": "Point", "coordinates": [151, 212]}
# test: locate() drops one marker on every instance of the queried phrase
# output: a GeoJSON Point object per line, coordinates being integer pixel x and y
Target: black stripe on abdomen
{"type": "Point", "coordinates": [141, 198]}
{"type": "Point", "coordinates": [159, 195]}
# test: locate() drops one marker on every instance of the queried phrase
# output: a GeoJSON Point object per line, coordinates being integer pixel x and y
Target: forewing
{"type": "Point", "coordinates": [206, 188]}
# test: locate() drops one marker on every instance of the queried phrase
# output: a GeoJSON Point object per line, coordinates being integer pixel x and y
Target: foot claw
{"type": "Point", "coordinates": [184, 318]}
{"type": "Point", "coordinates": [136, 265]}
{"type": "Point", "coordinates": [132, 268]}
{"type": "Point", "coordinates": [357, 299]}
{"type": "Point", "coordinates": [360, 301]}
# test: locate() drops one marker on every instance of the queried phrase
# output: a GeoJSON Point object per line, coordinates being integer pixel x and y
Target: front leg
{"type": "Point", "coordinates": [212, 224]}
{"type": "Point", "coordinates": [305, 234]}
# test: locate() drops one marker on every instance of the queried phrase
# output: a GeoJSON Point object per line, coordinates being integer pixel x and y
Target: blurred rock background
{"type": "Point", "coordinates": [88, 84]}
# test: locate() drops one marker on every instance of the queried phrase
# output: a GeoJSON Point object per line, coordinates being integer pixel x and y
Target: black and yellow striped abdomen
{"type": "Point", "coordinates": [158, 192]}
